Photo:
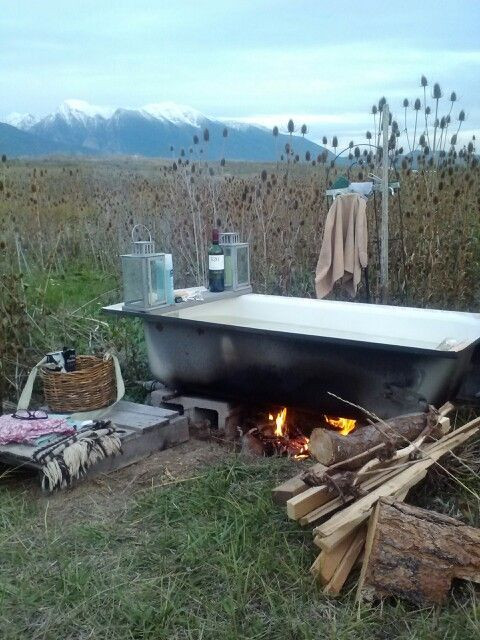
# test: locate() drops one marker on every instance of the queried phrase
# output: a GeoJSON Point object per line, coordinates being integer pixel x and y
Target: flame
{"type": "Point", "coordinates": [304, 451]}
{"type": "Point", "coordinates": [286, 439]}
{"type": "Point", "coordinates": [280, 426]}
{"type": "Point", "coordinates": [344, 424]}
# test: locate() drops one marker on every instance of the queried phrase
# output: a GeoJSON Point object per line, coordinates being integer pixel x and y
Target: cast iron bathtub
{"type": "Point", "coordinates": [297, 352]}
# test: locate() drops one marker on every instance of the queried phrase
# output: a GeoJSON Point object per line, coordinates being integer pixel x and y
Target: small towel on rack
{"type": "Point", "coordinates": [344, 247]}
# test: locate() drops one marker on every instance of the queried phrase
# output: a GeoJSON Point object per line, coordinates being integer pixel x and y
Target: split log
{"type": "Point", "coordinates": [314, 498]}
{"type": "Point", "coordinates": [414, 553]}
{"type": "Point", "coordinates": [330, 447]}
{"type": "Point", "coordinates": [345, 565]}
{"type": "Point", "coordinates": [327, 562]}
{"type": "Point", "coordinates": [295, 485]}
{"type": "Point", "coordinates": [317, 502]}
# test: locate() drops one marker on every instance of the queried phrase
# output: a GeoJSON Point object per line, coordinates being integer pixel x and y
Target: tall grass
{"type": "Point", "coordinates": [62, 217]}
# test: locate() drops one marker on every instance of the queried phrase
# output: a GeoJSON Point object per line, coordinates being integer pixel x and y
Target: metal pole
{"type": "Point", "coordinates": [384, 220]}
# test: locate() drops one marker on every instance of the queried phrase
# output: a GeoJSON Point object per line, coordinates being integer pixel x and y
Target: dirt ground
{"type": "Point", "coordinates": [110, 493]}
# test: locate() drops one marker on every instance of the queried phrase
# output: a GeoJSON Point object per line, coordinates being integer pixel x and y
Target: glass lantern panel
{"type": "Point", "coordinates": [228, 278]}
{"type": "Point", "coordinates": [243, 276]}
{"type": "Point", "coordinates": [132, 271]}
{"type": "Point", "coordinates": [157, 294]}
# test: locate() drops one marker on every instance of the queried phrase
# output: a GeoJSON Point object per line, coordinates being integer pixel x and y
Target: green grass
{"type": "Point", "coordinates": [80, 286]}
{"type": "Point", "coordinates": [208, 558]}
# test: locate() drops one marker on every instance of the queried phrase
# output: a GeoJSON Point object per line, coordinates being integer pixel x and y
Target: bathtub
{"type": "Point", "coordinates": [296, 352]}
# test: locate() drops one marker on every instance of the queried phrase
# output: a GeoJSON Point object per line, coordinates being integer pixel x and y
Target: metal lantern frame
{"type": "Point", "coordinates": [141, 272]}
{"type": "Point", "coordinates": [233, 250]}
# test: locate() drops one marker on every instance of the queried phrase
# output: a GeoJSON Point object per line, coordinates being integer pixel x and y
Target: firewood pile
{"type": "Point", "coordinates": [354, 499]}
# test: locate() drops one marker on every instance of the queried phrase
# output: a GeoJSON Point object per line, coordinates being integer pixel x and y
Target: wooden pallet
{"type": "Point", "coordinates": [143, 429]}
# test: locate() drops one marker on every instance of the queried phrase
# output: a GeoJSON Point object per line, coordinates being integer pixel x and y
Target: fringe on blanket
{"type": "Point", "coordinates": [68, 459]}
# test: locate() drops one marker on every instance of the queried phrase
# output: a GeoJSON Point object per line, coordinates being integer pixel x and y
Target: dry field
{"type": "Point", "coordinates": [63, 224]}
{"type": "Point", "coordinates": [161, 556]}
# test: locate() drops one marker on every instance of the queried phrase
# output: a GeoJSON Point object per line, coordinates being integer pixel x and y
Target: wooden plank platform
{"type": "Point", "coordinates": [143, 429]}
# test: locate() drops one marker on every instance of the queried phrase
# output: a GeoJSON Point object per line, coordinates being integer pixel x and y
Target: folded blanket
{"type": "Point", "coordinates": [68, 459]}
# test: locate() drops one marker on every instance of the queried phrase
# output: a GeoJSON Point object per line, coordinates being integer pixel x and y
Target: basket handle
{"type": "Point", "coordinates": [24, 400]}
{"type": "Point", "coordinates": [138, 226]}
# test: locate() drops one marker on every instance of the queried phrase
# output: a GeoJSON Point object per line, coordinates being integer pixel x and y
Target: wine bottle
{"type": "Point", "coordinates": [216, 265]}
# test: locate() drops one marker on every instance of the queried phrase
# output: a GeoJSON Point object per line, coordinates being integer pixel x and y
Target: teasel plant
{"type": "Point", "coordinates": [275, 133]}
{"type": "Point", "coordinates": [437, 95]}
{"type": "Point", "coordinates": [291, 130]}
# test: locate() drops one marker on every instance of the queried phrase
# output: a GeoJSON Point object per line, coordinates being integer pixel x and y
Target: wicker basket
{"type": "Point", "coordinates": [91, 386]}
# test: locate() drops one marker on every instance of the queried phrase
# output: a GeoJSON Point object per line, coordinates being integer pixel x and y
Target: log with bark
{"type": "Point", "coordinates": [344, 500]}
{"type": "Point", "coordinates": [330, 447]}
{"type": "Point", "coordinates": [414, 553]}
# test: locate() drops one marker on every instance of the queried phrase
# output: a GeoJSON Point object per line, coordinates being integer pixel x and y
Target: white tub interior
{"type": "Point", "coordinates": [402, 326]}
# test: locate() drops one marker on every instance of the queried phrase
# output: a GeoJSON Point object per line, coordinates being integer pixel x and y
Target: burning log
{"type": "Point", "coordinates": [331, 447]}
{"type": "Point", "coordinates": [414, 553]}
{"type": "Point", "coordinates": [276, 437]}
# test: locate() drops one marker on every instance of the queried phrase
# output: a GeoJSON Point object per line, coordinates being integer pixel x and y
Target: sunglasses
{"type": "Point", "coordinates": [25, 414]}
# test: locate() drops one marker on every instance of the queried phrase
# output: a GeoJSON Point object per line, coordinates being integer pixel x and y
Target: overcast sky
{"type": "Point", "coordinates": [320, 62]}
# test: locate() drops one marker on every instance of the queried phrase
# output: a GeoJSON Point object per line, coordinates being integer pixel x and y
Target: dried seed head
{"type": "Point", "coordinates": [417, 104]}
{"type": "Point", "coordinates": [437, 92]}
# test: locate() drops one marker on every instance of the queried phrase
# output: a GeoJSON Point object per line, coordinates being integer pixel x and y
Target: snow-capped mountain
{"type": "Point", "coordinates": [81, 110]}
{"type": "Point", "coordinates": [175, 113]}
{"type": "Point", "coordinates": [152, 130]}
{"type": "Point", "coordinates": [22, 121]}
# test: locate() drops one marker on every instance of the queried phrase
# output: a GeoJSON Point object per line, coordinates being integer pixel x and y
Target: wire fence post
{"type": "Point", "coordinates": [384, 220]}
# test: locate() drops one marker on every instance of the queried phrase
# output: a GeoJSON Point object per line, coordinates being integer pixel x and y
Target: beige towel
{"type": "Point", "coordinates": [344, 247]}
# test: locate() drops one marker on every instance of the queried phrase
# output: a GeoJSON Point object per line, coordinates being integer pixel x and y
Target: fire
{"type": "Point", "coordinates": [304, 452]}
{"type": "Point", "coordinates": [280, 423]}
{"type": "Point", "coordinates": [344, 424]}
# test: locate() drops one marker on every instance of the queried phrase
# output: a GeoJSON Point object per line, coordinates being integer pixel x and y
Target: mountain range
{"type": "Point", "coordinates": [155, 130]}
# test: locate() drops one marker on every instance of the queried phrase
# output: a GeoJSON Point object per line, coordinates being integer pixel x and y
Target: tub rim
{"type": "Point", "coordinates": [285, 335]}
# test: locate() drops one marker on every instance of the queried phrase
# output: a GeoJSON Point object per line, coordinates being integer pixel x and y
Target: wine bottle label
{"type": "Point", "coordinates": [216, 263]}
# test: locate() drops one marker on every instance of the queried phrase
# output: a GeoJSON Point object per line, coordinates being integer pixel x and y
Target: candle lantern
{"type": "Point", "coordinates": [144, 275]}
{"type": "Point", "coordinates": [237, 261]}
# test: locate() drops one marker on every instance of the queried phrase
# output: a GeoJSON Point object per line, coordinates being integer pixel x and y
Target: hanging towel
{"type": "Point", "coordinates": [344, 246]}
